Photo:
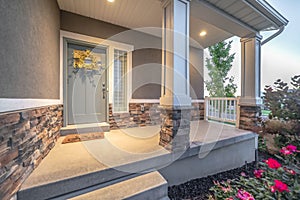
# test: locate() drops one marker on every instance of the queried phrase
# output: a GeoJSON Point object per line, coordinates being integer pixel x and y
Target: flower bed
{"type": "Point", "coordinates": [272, 180]}
{"type": "Point", "coordinates": [276, 178]}
{"type": "Point", "coordinates": [198, 189]}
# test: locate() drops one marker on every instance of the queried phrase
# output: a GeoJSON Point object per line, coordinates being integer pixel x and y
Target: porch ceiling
{"type": "Point", "coordinates": [220, 19]}
{"type": "Point", "coordinates": [136, 14]}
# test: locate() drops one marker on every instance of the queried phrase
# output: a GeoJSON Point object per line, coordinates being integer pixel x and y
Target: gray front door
{"type": "Point", "coordinates": [86, 83]}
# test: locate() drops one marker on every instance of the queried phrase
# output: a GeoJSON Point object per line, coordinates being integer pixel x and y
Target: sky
{"type": "Point", "coordinates": [281, 55]}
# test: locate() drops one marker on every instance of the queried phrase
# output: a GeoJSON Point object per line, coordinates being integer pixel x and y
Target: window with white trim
{"type": "Point", "coordinates": [120, 103]}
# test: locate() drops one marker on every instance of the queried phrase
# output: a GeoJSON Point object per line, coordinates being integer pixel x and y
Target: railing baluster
{"type": "Point", "coordinates": [234, 110]}
{"type": "Point", "coordinates": [222, 109]}
{"type": "Point", "coordinates": [218, 109]}
{"type": "Point", "coordinates": [209, 101]}
{"type": "Point", "coordinates": [226, 109]}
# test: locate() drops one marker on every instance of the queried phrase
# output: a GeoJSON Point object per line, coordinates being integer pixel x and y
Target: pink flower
{"type": "Point", "coordinates": [244, 195]}
{"type": "Point", "coordinates": [272, 163]}
{"type": "Point", "coordinates": [258, 173]}
{"type": "Point", "coordinates": [225, 189]}
{"type": "Point", "coordinates": [280, 186]}
{"type": "Point", "coordinates": [273, 189]}
{"type": "Point", "coordinates": [285, 151]}
{"type": "Point", "coordinates": [290, 171]}
{"type": "Point", "coordinates": [230, 198]}
{"type": "Point", "coordinates": [291, 148]}
{"type": "Point", "coordinates": [243, 174]}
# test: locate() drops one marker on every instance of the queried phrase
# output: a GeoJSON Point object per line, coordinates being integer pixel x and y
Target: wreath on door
{"type": "Point", "coordinates": [86, 64]}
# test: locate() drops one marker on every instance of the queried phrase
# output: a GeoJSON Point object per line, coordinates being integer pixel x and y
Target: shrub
{"type": "Point", "coordinates": [272, 180]}
{"type": "Point", "coordinates": [284, 120]}
{"type": "Point", "coordinates": [283, 101]}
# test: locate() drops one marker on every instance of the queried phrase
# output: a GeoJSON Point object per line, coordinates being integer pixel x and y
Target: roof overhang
{"type": "Point", "coordinates": [240, 17]}
{"type": "Point", "coordinates": [220, 18]}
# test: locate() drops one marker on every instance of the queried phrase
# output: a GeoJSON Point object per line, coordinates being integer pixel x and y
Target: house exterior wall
{"type": "Point", "coordinates": [196, 73]}
{"type": "Point", "coordinates": [88, 26]}
{"type": "Point", "coordinates": [26, 137]}
{"type": "Point", "coordinates": [29, 78]}
{"type": "Point", "coordinates": [146, 65]}
{"type": "Point", "coordinates": [146, 58]}
{"type": "Point", "coordinates": [29, 52]}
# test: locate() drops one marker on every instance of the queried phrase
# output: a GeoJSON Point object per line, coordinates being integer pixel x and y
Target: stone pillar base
{"type": "Point", "coordinates": [175, 128]}
{"type": "Point", "coordinates": [249, 117]}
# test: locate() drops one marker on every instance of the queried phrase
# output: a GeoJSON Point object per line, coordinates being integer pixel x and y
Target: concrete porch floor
{"type": "Point", "coordinates": [128, 150]}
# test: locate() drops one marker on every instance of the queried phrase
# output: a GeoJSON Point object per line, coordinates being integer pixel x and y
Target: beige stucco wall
{"type": "Point", "coordinates": [29, 53]}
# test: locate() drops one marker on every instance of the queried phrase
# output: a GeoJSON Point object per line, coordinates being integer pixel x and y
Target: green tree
{"type": "Point", "coordinates": [220, 63]}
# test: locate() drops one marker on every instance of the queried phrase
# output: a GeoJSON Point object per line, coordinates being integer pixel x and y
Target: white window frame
{"type": "Point", "coordinates": [128, 78]}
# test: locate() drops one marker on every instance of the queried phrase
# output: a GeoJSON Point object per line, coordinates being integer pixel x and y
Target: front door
{"type": "Point", "coordinates": [86, 83]}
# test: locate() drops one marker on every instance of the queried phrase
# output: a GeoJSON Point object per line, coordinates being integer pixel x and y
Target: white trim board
{"type": "Point", "coordinates": [157, 101]}
{"type": "Point", "coordinates": [10, 105]}
{"type": "Point", "coordinates": [144, 101]}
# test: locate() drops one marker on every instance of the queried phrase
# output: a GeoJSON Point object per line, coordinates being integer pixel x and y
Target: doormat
{"type": "Point", "coordinates": [82, 137]}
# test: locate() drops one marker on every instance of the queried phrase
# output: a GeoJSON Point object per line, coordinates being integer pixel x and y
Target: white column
{"type": "Point", "coordinates": [251, 72]}
{"type": "Point", "coordinates": [175, 53]}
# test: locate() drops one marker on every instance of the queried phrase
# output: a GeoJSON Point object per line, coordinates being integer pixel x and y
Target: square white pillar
{"type": "Point", "coordinates": [251, 71]}
{"type": "Point", "coordinates": [175, 53]}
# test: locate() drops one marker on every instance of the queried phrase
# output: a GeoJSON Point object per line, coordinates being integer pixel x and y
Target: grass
{"type": "Point", "coordinates": [265, 112]}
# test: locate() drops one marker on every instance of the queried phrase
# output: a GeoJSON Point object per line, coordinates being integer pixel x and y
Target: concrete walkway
{"type": "Point", "coordinates": [119, 147]}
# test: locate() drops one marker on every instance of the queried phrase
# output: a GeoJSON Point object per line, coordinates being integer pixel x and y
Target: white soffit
{"type": "Point", "coordinates": [252, 15]}
{"type": "Point", "coordinates": [220, 18]}
{"type": "Point", "coordinates": [126, 13]}
{"type": "Point", "coordinates": [136, 14]}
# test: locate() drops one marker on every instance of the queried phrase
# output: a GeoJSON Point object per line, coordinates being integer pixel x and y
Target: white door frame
{"type": "Point", "coordinates": [111, 45]}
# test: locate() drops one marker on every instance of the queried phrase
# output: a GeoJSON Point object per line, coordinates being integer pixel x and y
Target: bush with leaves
{"type": "Point", "coordinates": [284, 120]}
{"type": "Point", "coordinates": [283, 101]}
{"type": "Point", "coordinates": [273, 180]}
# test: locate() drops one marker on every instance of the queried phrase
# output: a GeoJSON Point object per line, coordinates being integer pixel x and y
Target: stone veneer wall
{"type": "Point", "coordinates": [175, 128]}
{"type": "Point", "coordinates": [26, 137]}
{"type": "Point", "coordinates": [197, 112]}
{"type": "Point", "coordinates": [137, 117]}
{"type": "Point", "coordinates": [249, 117]}
{"type": "Point", "coordinates": [150, 116]}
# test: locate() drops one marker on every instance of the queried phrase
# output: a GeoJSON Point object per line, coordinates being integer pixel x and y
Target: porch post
{"type": "Point", "coordinates": [175, 100]}
{"type": "Point", "coordinates": [250, 100]}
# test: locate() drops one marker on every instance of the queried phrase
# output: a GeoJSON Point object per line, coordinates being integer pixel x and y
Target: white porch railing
{"type": "Point", "coordinates": [222, 109]}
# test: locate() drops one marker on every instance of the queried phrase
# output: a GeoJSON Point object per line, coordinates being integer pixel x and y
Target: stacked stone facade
{"type": "Point", "coordinates": [175, 128]}
{"type": "Point", "coordinates": [197, 112]}
{"type": "Point", "coordinates": [26, 137]}
{"type": "Point", "coordinates": [249, 117]}
{"type": "Point", "coordinates": [146, 114]}
{"type": "Point", "coordinates": [140, 114]}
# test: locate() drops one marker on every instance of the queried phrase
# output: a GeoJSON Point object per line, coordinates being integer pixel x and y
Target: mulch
{"type": "Point", "coordinates": [198, 189]}
{"type": "Point", "coordinates": [82, 137]}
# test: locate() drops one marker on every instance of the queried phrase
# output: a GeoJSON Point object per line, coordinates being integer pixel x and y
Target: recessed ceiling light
{"type": "Point", "coordinates": [111, 1]}
{"type": "Point", "coordinates": [203, 33]}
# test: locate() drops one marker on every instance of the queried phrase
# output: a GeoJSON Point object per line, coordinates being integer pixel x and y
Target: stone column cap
{"type": "Point", "coordinates": [175, 107]}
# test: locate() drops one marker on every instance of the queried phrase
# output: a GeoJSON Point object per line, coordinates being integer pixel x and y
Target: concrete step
{"type": "Point", "coordinates": [85, 128]}
{"type": "Point", "coordinates": [144, 186]}
{"type": "Point", "coordinates": [132, 186]}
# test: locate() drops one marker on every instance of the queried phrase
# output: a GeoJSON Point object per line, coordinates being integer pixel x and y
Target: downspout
{"type": "Point", "coordinates": [281, 29]}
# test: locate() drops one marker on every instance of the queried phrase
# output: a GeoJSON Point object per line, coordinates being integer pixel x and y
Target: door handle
{"type": "Point", "coordinates": [104, 90]}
